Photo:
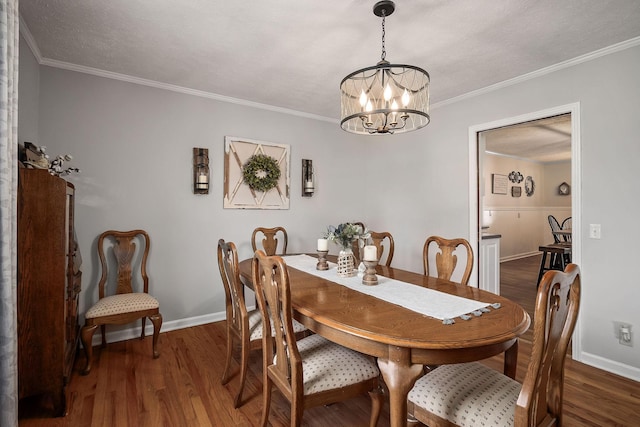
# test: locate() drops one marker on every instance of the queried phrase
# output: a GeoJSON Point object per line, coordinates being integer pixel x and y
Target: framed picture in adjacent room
{"type": "Point", "coordinates": [499, 183]}
{"type": "Point", "coordinates": [516, 191]}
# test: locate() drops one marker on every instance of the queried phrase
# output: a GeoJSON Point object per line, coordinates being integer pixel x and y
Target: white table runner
{"type": "Point", "coordinates": [429, 302]}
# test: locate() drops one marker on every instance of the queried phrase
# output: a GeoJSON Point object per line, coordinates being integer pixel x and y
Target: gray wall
{"type": "Point", "coordinates": [29, 94]}
{"type": "Point", "coordinates": [133, 144]}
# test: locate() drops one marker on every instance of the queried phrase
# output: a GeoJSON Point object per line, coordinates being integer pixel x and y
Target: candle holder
{"type": "Point", "coordinates": [370, 277]}
{"type": "Point", "coordinates": [322, 261]}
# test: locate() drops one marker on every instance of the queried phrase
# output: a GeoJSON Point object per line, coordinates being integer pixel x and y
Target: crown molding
{"type": "Point", "coordinates": [24, 30]}
{"type": "Point", "coordinates": [542, 72]}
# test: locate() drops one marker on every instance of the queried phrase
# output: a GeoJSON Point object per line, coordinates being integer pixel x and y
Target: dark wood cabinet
{"type": "Point", "coordinates": [49, 279]}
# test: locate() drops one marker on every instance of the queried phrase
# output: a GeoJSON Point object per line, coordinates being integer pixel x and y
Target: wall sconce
{"type": "Point", "coordinates": [307, 178]}
{"type": "Point", "coordinates": [200, 170]}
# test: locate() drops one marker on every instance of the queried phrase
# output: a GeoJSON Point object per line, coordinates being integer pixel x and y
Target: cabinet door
{"type": "Point", "coordinates": [490, 265]}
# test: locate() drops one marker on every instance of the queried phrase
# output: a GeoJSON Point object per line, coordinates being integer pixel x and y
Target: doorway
{"type": "Point", "coordinates": [481, 182]}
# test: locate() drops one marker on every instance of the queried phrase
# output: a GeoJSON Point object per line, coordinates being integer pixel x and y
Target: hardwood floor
{"type": "Point", "coordinates": [127, 388]}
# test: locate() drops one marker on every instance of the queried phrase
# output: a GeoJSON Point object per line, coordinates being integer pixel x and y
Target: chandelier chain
{"type": "Point", "coordinates": [384, 52]}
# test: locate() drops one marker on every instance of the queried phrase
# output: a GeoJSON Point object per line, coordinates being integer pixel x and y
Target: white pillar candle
{"type": "Point", "coordinates": [370, 253]}
{"type": "Point", "coordinates": [323, 245]}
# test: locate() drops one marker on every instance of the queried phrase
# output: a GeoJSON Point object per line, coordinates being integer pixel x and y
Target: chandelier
{"type": "Point", "coordinates": [385, 98]}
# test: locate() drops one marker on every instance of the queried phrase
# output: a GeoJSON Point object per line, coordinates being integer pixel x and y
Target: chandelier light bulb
{"type": "Point", "coordinates": [394, 105]}
{"type": "Point", "coordinates": [369, 107]}
{"type": "Point", "coordinates": [363, 99]}
{"type": "Point", "coordinates": [405, 98]}
{"type": "Point", "coordinates": [387, 93]}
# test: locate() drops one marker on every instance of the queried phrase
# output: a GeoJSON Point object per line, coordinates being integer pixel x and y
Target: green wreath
{"type": "Point", "coordinates": [261, 172]}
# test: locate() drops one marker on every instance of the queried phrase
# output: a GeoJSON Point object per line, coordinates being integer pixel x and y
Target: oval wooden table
{"type": "Point", "coordinates": [401, 339]}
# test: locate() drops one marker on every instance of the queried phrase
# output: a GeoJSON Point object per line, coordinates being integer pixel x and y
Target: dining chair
{"type": "Point", "coordinates": [442, 251]}
{"type": "Point", "coordinates": [312, 371]}
{"type": "Point", "coordinates": [472, 394]}
{"type": "Point", "coordinates": [566, 225]}
{"type": "Point", "coordinates": [243, 326]}
{"type": "Point", "coordinates": [119, 303]}
{"type": "Point", "coordinates": [274, 240]}
{"type": "Point", "coordinates": [555, 226]}
{"type": "Point", "coordinates": [383, 241]}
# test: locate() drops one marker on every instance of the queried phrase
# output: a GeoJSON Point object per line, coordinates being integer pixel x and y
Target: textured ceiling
{"type": "Point", "coordinates": [293, 54]}
{"type": "Point", "coordinates": [546, 140]}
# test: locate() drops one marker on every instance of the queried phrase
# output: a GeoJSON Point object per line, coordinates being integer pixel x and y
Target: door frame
{"type": "Point", "coordinates": [576, 186]}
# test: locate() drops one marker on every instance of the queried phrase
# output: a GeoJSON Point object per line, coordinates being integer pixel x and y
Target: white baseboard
{"type": "Point", "coordinates": [519, 256]}
{"type": "Point", "coordinates": [612, 366]}
{"type": "Point", "coordinates": [135, 329]}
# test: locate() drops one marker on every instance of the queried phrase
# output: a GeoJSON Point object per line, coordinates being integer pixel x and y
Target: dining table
{"type": "Point", "coordinates": [403, 340]}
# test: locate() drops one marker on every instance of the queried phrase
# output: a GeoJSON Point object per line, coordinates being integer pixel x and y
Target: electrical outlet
{"type": "Point", "coordinates": [623, 333]}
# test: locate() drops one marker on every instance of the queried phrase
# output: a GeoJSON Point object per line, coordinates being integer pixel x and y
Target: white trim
{"type": "Point", "coordinates": [134, 330]}
{"type": "Point", "coordinates": [525, 208]}
{"type": "Point", "coordinates": [31, 42]}
{"type": "Point", "coordinates": [576, 200]}
{"type": "Point", "coordinates": [612, 366]}
{"type": "Point", "coordinates": [179, 89]}
{"type": "Point", "coordinates": [542, 72]}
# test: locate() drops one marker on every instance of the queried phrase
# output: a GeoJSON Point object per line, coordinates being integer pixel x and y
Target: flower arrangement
{"type": "Point", "coordinates": [345, 234]}
{"type": "Point", "coordinates": [37, 158]}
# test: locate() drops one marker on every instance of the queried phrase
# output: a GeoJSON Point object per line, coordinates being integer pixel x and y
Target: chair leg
{"type": "Point", "coordinates": [156, 319]}
{"type": "Point", "coordinates": [103, 331]}
{"type": "Point", "coordinates": [86, 336]}
{"type": "Point", "coordinates": [227, 365]}
{"type": "Point", "coordinates": [144, 323]}
{"type": "Point", "coordinates": [297, 411]}
{"type": "Point", "coordinates": [266, 400]}
{"type": "Point", "coordinates": [244, 363]}
{"type": "Point", "coordinates": [377, 400]}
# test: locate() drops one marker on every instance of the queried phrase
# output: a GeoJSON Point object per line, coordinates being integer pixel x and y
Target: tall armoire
{"type": "Point", "coordinates": [48, 286]}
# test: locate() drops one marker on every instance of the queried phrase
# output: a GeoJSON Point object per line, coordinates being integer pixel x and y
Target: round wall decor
{"type": "Point", "coordinates": [261, 172]}
{"type": "Point", "coordinates": [529, 186]}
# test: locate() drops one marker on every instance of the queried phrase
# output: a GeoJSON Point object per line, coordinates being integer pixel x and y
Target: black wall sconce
{"type": "Point", "coordinates": [307, 178]}
{"type": "Point", "coordinates": [200, 170]}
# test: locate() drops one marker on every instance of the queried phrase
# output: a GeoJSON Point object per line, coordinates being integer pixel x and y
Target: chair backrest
{"type": "Point", "coordinates": [274, 240]}
{"type": "Point", "coordinates": [233, 288]}
{"type": "Point", "coordinates": [384, 249]}
{"type": "Point", "coordinates": [556, 312]}
{"type": "Point", "coordinates": [130, 262]}
{"type": "Point", "coordinates": [555, 226]}
{"type": "Point", "coordinates": [445, 258]}
{"type": "Point", "coordinates": [566, 225]}
{"type": "Point", "coordinates": [273, 293]}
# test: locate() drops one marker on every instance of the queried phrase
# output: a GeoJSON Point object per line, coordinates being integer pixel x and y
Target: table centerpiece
{"type": "Point", "coordinates": [344, 235]}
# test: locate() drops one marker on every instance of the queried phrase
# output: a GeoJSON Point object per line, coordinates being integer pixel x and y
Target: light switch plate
{"type": "Point", "coordinates": [594, 231]}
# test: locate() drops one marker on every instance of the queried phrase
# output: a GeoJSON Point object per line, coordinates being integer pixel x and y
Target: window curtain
{"type": "Point", "coordinates": [9, 42]}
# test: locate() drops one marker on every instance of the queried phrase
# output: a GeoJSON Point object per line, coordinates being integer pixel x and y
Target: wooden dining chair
{"type": "Point", "coordinates": [472, 394]}
{"type": "Point", "coordinates": [383, 241]}
{"type": "Point", "coordinates": [243, 326]}
{"type": "Point", "coordinates": [312, 371]}
{"type": "Point", "coordinates": [555, 226]}
{"type": "Point", "coordinates": [119, 303]}
{"type": "Point", "coordinates": [443, 252]}
{"type": "Point", "coordinates": [566, 225]}
{"type": "Point", "coordinates": [274, 240]}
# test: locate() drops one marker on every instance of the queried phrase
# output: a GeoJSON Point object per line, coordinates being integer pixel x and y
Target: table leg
{"type": "Point", "coordinates": [511, 361]}
{"type": "Point", "coordinates": [399, 375]}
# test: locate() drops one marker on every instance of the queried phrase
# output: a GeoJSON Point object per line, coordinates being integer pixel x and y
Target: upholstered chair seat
{"type": "Point", "coordinates": [255, 326]}
{"type": "Point", "coordinates": [123, 303]}
{"type": "Point", "coordinates": [468, 395]}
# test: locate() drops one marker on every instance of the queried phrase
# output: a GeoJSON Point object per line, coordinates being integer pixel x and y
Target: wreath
{"type": "Point", "coordinates": [261, 172]}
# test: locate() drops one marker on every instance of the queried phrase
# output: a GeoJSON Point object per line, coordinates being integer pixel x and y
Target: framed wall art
{"type": "Point", "coordinates": [516, 191]}
{"type": "Point", "coordinates": [499, 184]}
{"type": "Point", "coordinates": [256, 174]}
